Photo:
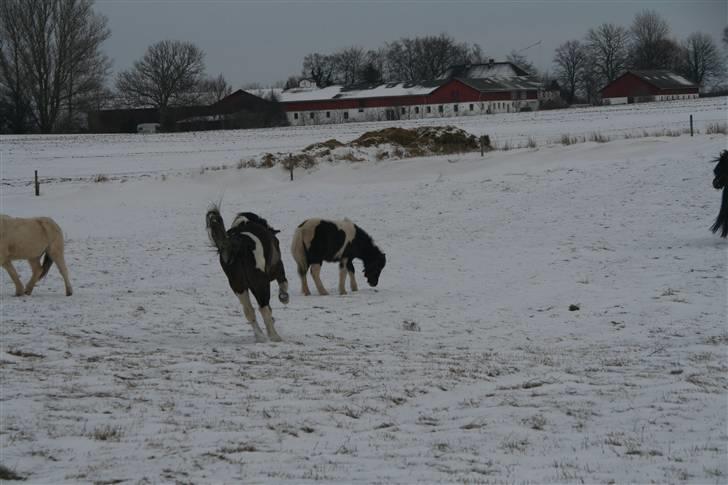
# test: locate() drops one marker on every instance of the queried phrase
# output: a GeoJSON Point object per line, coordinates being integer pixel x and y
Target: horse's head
{"type": "Point", "coordinates": [721, 171]}
{"type": "Point", "coordinates": [216, 232]}
{"type": "Point", "coordinates": [373, 266]}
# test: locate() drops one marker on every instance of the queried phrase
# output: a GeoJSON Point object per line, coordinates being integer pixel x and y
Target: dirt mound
{"type": "Point", "coordinates": [421, 141]}
{"type": "Point", "coordinates": [378, 145]}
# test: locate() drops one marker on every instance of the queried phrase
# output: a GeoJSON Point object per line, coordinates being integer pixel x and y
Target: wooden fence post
{"type": "Point", "coordinates": [691, 125]}
{"type": "Point", "coordinates": [482, 147]}
{"type": "Point", "coordinates": [37, 185]}
{"type": "Point", "coordinates": [290, 165]}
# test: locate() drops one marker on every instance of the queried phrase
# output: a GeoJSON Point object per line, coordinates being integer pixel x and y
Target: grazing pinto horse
{"type": "Point", "coordinates": [30, 239]}
{"type": "Point", "coordinates": [721, 182]}
{"type": "Point", "coordinates": [319, 240]}
{"type": "Point", "coordinates": [251, 258]}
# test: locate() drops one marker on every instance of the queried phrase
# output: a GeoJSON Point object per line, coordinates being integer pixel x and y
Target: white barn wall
{"type": "Point", "coordinates": [410, 112]}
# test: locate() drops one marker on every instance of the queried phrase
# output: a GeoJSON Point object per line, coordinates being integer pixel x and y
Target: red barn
{"type": "Point", "coordinates": [461, 91]}
{"type": "Point", "coordinates": [645, 86]}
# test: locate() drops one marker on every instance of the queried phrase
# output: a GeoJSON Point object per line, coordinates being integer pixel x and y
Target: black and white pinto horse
{"type": "Point", "coordinates": [250, 256]}
{"type": "Point", "coordinates": [319, 240]}
{"type": "Point", "coordinates": [721, 182]}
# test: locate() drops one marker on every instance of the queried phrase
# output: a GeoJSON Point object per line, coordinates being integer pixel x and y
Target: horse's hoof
{"type": "Point", "coordinates": [69, 293]}
{"type": "Point", "coordinates": [28, 292]}
{"type": "Point", "coordinates": [342, 292]}
{"type": "Point", "coordinates": [275, 338]}
{"type": "Point", "coordinates": [283, 297]}
{"type": "Point", "coordinates": [19, 293]}
{"type": "Point", "coordinates": [260, 338]}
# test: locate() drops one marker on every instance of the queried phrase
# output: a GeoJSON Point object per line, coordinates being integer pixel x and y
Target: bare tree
{"type": "Point", "coordinates": [725, 35]}
{"type": "Point", "coordinates": [701, 59]}
{"type": "Point", "coordinates": [214, 89]}
{"type": "Point", "coordinates": [52, 47]}
{"type": "Point", "coordinates": [348, 64]}
{"type": "Point", "coordinates": [427, 57]}
{"type": "Point", "coordinates": [167, 76]}
{"type": "Point", "coordinates": [319, 68]}
{"type": "Point", "coordinates": [651, 47]}
{"type": "Point", "coordinates": [590, 81]}
{"type": "Point", "coordinates": [607, 49]}
{"type": "Point", "coordinates": [570, 60]}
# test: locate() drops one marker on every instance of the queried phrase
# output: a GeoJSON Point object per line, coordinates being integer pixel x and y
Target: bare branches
{"type": "Point", "coordinates": [570, 60]}
{"type": "Point", "coordinates": [701, 59]}
{"type": "Point", "coordinates": [52, 49]}
{"type": "Point", "coordinates": [607, 46]}
{"type": "Point", "coordinates": [168, 75]}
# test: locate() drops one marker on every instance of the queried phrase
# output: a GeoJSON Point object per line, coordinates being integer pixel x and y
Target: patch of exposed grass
{"type": "Point", "coordinates": [716, 128]}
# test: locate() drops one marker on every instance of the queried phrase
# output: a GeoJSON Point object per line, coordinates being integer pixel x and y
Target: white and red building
{"type": "Point", "coordinates": [461, 91]}
{"type": "Point", "coordinates": [646, 86]}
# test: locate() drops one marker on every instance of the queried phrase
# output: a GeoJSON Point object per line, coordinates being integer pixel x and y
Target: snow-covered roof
{"type": "Point", "coordinates": [664, 79]}
{"type": "Point", "coordinates": [309, 94]}
{"type": "Point", "coordinates": [515, 83]}
{"type": "Point", "coordinates": [361, 91]}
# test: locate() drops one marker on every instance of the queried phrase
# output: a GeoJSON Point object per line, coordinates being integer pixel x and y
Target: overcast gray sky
{"type": "Point", "coordinates": [265, 41]}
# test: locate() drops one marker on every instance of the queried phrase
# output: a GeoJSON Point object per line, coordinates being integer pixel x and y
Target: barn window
{"type": "Point", "coordinates": [417, 110]}
{"type": "Point", "coordinates": [523, 94]}
{"type": "Point", "coordinates": [403, 110]}
{"type": "Point", "coordinates": [361, 110]}
{"type": "Point", "coordinates": [310, 115]}
{"type": "Point", "coordinates": [429, 109]}
{"type": "Point", "coordinates": [328, 114]}
{"type": "Point", "coordinates": [455, 108]}
{"type": "Point", "coordinates": [439, 108]}
{"type": "Point", "coordinates": [346, 115]}
{"type": "Point", "coordinates": [471, 107]}
{"type": "Point", "coordinates": [295, 116]}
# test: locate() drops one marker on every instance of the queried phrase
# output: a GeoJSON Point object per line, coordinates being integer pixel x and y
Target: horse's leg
{"type": "Point", "coordinates": [304, 281]}
{"type": "Point", "coordinates": [352, 280]}
{"type": "Point", "coordinates": [56, 254]}
{"type": "Point", "coordinates": [342, 276]}
{"type": "Point", "coordinates": [249, 312]}
{"type": "Point", "coordinates": [262, 296]}
{"type": "Point", "coordinates": [37, 269]}
{"type": "Point", "coordinates": [279, 273]}
{"type": "Point", "coordinates": [316, 274]}
{"type": "Point", "coordinates": [14, 276]}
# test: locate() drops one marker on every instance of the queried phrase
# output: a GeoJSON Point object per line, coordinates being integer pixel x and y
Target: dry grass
{"type": "Point", "coordinates": [100, 178]}
{"type": "Point", "coordinates": [716, 128]}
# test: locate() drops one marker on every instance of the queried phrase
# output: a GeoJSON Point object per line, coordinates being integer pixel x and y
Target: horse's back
{"type": "Point", "coordinates": [26, 238]}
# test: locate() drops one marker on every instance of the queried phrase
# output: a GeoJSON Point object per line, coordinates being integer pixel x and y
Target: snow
{"type": "Point", "coordinates": [680, 79]}
{"type": "Point", "coordinates": [154, 154]}
{"type": "Point", "coordinates": [465, 364]}
{"type": "Point", "coordinates": [310, 94]}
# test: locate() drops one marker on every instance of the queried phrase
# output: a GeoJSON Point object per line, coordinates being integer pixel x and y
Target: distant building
{"type": "Point", "coordinates": [645, 86]}
{"type": "Point", "coordinates": [463, 90]}
{"type": "Point", "coordinates": [238, 110]}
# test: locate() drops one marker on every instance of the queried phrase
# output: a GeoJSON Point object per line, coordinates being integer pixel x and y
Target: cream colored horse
{"type": "Point", "coordinates": [29, 239]}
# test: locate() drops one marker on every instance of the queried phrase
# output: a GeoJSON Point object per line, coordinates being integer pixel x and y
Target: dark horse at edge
{"type": "Point", "coordinates": [721, 182]}
{"type": "Point", "coordinates": [250, 256]}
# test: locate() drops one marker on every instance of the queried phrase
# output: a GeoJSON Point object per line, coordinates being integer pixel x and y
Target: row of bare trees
{"type": "Point", "coordinates": [52, 69]}
{"type": "Point", "coordinates": [51, 65]}
{"type": "Point", "coordinates": [607, 51]}
{"type": "Point", "coordinates": [406, 59]}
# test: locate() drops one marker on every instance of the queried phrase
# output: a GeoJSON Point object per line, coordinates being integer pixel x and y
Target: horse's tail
{"type": "Point", "coordinates": [298, 250]}
{"type": "Point", "coordinates": [47, 263]}
{"type": "Point", "coordinates": [721, 222]}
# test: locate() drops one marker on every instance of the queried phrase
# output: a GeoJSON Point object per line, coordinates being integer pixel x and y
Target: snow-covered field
{"type": "Point", "coordinates": [465, 365]}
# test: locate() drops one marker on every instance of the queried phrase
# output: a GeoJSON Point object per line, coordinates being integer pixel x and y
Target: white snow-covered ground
{"type": "Point", "coordinates": [465, 365]}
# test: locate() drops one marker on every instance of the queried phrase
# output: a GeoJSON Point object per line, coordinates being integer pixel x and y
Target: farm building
{"type": "Point", "coordinates": [646, 86]}
{"type": "Point", "coordinates": [237, 110]}
{"type": "Point", "coordinates": [461, 91]}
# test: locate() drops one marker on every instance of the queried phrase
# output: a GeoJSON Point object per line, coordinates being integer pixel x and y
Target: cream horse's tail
{"type": "Point", "coordinates": [55, 243]}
